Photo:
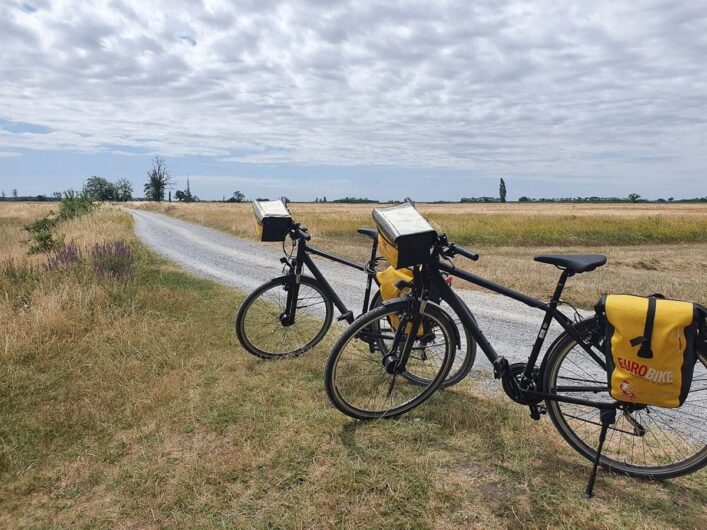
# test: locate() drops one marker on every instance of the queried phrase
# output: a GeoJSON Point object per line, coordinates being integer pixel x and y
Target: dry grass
{"type": "Point", "coordinates": [13, 216]}
{"type": "Point", "coordinates": [667, 254]}
{"type": "Point", "coordinates": [129, 405]}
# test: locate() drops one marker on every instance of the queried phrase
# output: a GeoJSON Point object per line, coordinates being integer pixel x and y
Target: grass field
{"type": "Point", "coordinates": [651, 247]}
{"type": "Point", "coordinates": [126, 403]}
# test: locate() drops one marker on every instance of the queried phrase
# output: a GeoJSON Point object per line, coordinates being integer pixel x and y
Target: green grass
{"type": "Point", "coordinates": [129, 404]}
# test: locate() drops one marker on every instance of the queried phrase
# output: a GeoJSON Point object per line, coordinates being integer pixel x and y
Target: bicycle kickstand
{"type": "Point", "coordinates": [608, 417]}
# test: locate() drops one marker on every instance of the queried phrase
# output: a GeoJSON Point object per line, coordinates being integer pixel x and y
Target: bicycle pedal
{"type": "Point", "coordinates": [348, 316]}
{"type": "Point", "coordinates": [534, 412]}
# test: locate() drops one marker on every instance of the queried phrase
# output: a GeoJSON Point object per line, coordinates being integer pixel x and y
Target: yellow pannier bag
{"type": "Point", "coordinates": [650, 348]}
{"type": "Point", "coordinates": [386, 280]}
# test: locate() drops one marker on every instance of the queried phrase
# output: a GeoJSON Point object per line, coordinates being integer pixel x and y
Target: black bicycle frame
{"type": "Point", "coordinates": [303, 259]}
{"type": "Point", "coordinates": [500, 363]}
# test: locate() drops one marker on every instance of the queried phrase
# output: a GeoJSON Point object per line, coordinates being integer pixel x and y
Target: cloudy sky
{"type": "Point", "coordinates": [311, 98]}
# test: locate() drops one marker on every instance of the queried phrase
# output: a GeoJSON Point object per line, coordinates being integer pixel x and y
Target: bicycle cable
{"type": "Point", "coordinates": [577, 315]}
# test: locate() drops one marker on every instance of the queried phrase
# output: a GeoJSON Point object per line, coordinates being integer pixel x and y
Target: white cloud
{"type": "Point", "coordinates": [526, 88]}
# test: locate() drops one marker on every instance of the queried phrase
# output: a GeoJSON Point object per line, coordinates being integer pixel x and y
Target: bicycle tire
{"type": "Point", "coordinates": [462, 365]}
{"type": "Point", "coordinates": [343, 378]}
{"type": "Point", "coordinates": [673, 442]}
{"type": "Point", "coordinates": [294, 339]}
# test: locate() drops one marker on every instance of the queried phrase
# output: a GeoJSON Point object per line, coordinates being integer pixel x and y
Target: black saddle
{"type": "Point", "coordinates": [370, 232]}
{"type": "Point", "coordinates": [573, 263]}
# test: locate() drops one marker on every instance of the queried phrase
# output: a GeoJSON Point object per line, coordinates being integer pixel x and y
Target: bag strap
{"type": "Point", "coordinates": [701, 329]}
{"type": "Point", "coordinates": [645, 351]}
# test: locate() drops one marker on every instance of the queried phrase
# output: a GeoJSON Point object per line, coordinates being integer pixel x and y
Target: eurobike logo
{"type": "Point", "coordinates": [661, 377]}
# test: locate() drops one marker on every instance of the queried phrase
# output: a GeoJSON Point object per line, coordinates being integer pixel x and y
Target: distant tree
{"type": "Point", "coordinates": [633, 197]}
{"type": "Point", "coordinates": [123, 190]}
{"type": "Point", "coordinates": [57, 195]}
{"type": "Point", "coordinates": [185, 196]}
{"type": "Point", "coordinates": [502, 190]}
{"type": "Point", "coordinates": [671, 199]}
{"type": "Point", "coordinates": [355, 200]}
{"type": "Point", "coordinates": [14, 193]}
{"type": "Point", "coordinates": [99, 189]}
{"type": "Point", "coordinates": [524, 199]}
{"type": "Point", "coordinates": [237, 197]}
{"type": "Point", "coordinates": [158, 180]}
{"type": "Point", "coordinates": [3, 195]}
{"type": "Point", "coordinates": [324, 198]}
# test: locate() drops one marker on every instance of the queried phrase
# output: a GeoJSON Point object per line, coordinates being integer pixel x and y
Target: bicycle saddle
{"type": "Point", "coordinates": [370, 232]}
{"type": "Point", "coordinates": [574, 263]}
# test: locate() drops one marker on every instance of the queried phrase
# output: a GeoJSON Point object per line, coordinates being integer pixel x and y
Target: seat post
{"type": "Point", "coordinates": [560, 287]}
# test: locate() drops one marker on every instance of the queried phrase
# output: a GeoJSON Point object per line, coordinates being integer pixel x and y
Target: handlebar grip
{"type": "Point", "coordinates": [473, 256]}
{"type": "Point", "coordinates": [304, 235]}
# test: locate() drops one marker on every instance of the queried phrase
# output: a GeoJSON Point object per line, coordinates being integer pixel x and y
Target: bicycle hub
{"type": "Point", "coordinates": [390, 362]}
{"type": "Point", "coordinates": [286, 320]}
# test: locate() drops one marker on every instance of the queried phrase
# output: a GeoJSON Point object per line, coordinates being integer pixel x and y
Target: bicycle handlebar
{"type": "Point", "coordinates": [297, 231]}
{"type": "Point", "coordinates": [455, 249]}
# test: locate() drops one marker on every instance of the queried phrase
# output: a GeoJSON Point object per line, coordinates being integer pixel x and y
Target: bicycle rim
{"type": "Point", "coordinates": [259, 326]}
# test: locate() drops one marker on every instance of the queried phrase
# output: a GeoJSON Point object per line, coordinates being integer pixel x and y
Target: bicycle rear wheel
{"type": "Point", "coordinates": [262, 331]}
{"type": "Point", "coordinates": [646, 441]}
{"type": "Point", "coordinates": [356, 378]}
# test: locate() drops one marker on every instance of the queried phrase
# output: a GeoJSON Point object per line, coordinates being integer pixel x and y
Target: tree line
{"type": "Point", "coordinates": [159, 181]}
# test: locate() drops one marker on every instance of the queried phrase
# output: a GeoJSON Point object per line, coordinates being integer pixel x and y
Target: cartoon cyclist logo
{"type": "Point", "coordinates": [626, 390]}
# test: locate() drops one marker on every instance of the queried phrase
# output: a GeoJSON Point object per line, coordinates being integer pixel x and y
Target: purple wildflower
{"type": "Point", "coordinates": [63, 257]}
{"type": "Point", "coordinates": [114, 259]}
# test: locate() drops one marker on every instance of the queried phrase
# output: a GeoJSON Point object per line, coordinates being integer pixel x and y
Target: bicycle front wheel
{"type": "Point", "coordinates": [263, 331]}
{"type": "Point", "coordinates": [464, 354]}
{"type": "Point", "coordinates": [646, 441]}
{"type": "Point", "coordinates": [358, 378]}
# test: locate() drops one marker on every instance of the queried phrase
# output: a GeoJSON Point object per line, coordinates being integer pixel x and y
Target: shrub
{"type": "Point", "coordinates": [114, 259]}
{"type": "Point", "coordinates": [41, 237]}
{"type": "Point", "coordinates": [74, 205]}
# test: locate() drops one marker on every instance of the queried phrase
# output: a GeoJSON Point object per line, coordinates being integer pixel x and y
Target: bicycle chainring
{"type": "Point", "coordinates": [517, 370]}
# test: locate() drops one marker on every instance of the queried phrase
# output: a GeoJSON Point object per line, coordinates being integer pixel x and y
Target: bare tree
{"type": "Point", "coordinates": [158, 181]}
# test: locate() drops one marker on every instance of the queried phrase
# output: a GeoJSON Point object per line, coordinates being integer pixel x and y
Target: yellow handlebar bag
{"type": "Point", "coordinates": [650, 348]}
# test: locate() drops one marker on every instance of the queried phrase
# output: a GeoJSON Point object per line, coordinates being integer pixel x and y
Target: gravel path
{"type": "Point", "coordinates": [509, 325]}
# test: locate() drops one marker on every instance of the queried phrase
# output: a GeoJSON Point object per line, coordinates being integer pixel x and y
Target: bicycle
{"type": "Point", "coordinates": [291, 314]}
{"type": "Point", "coordinates": [570, 385]}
